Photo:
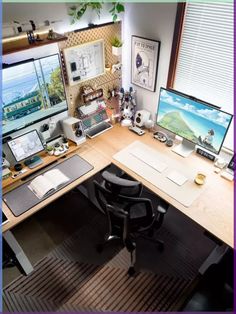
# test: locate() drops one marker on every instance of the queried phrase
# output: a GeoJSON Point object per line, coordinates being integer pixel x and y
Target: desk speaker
{"type": "Point", "coordinates": [141, 116]}
{"type": "Point", "coordinates": [73, 130]}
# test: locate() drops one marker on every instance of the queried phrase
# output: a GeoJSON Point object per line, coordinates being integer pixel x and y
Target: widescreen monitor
{"type": "Point", "coordinates": [192, 119]}
{"type": "Point", "coordinates": [31, 91]}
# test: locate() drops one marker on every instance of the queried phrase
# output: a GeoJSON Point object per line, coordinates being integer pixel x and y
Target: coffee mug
{"type": "Point", "coordinates": [200, 178]}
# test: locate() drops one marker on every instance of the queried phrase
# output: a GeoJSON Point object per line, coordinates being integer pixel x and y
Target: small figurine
{"type": "Point", "coordinates": [51, 34]}
{"type": "Point", "coordinates": [38, 38]}
{"type": "Point", "coordinates": [127, 106]}
{"type": "Point", "coordinates": [31, 37]}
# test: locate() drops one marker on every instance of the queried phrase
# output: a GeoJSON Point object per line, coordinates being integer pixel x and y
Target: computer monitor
{"type": "Point", "coordinates": [196, 121]}
{"type": "Point", "coordinates": [25, 147]}
{"type": "Point", "coordinates": [32, 91]}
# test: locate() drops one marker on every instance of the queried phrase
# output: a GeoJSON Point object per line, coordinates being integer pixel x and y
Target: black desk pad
{"type": "Point", "coordinates": [22, 198]}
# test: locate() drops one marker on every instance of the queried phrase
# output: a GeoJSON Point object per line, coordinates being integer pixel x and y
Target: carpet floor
{"type": "Point", "coordinates": [75, 277]}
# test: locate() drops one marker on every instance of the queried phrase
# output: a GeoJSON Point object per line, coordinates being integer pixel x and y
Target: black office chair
{"type": "Point", "coordinates": [129, 215]}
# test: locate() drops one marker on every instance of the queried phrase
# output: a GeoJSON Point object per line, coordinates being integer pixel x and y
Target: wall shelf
{"type": "Point", "coordinates": [19, 44]}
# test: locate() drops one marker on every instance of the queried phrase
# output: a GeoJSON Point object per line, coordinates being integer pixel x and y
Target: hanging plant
{"type": "Point", "coordinates": [76, 12]}
{"type": "Point", "coordinates": [116, 9]}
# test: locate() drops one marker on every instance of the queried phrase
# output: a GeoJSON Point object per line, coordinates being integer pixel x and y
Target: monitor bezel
{"type": "Point", "coordinates": [6, 66]}
{"type": "Point", "coordinates": [34, 130]}
{"type": "Point", "coordinates": [201, 102]}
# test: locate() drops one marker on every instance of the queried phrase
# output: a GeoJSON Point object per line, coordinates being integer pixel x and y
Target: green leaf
{"type": "Point", "coordinates": [120, 7]}
{"type": "Point", "coordinates": [115, 16]}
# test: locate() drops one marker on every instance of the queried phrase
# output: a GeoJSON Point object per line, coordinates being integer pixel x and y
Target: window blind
{"type": "Point", "coordinates": [205, 61]}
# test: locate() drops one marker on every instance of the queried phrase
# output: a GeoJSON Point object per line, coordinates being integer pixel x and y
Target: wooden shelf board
{"type": "Point", "coordinates": [47, 160]}
{"type": "Point", "coordinates": [20, 44]}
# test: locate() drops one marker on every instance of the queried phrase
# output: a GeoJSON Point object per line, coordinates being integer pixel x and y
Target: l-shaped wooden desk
{"type": "Point", "coordinates": [213, 209]}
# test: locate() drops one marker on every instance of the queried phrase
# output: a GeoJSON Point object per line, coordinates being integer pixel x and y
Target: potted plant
{"type": "Point", "coordinates": [50, 150]}
{"type": "Point", "coordinates": [65, 143]}
{"type": "Point", "coordinates": [116, 46]}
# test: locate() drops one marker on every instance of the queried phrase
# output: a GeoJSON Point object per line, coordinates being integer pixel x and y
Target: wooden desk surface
{"type": "Point", "coordinates": [213, 210]}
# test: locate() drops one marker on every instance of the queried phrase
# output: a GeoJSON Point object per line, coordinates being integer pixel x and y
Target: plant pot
{"type": "Point", "coordinates": [50, 152]}
{"type": "Point", "coordinates": [116, 51]}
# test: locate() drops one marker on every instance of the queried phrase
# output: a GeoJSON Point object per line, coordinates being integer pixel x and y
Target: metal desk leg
{"type": "Point", "coordinates": [19, 253]}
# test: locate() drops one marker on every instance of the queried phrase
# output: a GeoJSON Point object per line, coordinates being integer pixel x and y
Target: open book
{"type": "Point", "coordinates": [47, 183]}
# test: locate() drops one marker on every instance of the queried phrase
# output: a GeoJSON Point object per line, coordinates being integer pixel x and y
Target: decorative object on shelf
{"type": "Point", "coordinates": [44, 130]}
{"type": "Point", "coordinates": [5, 163]}
{"type": "Point", "coordinates": [76, 12]}
{"type": "Point", "coordinates": [116, 67]}
{"type": "Point", "coordinates": [38, 38]}
{"type": "Point", "coordinates": [58, 149]}
{"type": "Point", "coordinates": [88, 94]}
{"type": "Point", "coordinates": [6, 172]}
{"type": "Point", "coordinates": [127, 106]}
{"type": "Point", "coordinates": [65, 143]}
{"type": "Point", "coordinates": [144, 62]}
{"type": "Point", "coordinates": [50, 150]}
{"type": "Point", "coordinates": [51, 34]}
{"type": "Point", "coordinates": [85, 61]}
{"type": "Point", "coordinates": [116, 44]}
{"type": "Point", "coordinates": [30, 36]}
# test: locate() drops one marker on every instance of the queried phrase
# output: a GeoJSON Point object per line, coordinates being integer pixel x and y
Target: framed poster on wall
{"type": "Point", "coordinates": [144, 62]}
{"type": "Point", "coordinates": [85, 61]}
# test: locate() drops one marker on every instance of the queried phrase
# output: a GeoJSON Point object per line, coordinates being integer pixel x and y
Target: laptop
{"type": "Point", "coordinates": [96, 123]}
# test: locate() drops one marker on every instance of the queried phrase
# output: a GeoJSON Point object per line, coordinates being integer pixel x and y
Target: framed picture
{"type": "Point", "coordinates": [84, 62]}
{"type": "Point", "coordinates": [144, 62]}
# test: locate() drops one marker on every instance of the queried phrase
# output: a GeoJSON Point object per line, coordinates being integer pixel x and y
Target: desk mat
{"type": "Point", "coordinates": [22, 198]}
{"type": "Point", "coordinates": [185, 194]}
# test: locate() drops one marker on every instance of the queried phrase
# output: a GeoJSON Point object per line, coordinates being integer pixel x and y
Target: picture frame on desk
{"type": "Point", "coordinates": [144, 62]}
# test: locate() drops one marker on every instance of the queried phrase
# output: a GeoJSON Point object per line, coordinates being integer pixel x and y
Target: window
{"type": "Point", "coordinates": [202, 56]}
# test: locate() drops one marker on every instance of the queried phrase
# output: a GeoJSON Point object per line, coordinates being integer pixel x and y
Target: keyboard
{"type": "Point", "coordinates": [149, 160]}
{"type": "Point", "coordinates": [98, 129]}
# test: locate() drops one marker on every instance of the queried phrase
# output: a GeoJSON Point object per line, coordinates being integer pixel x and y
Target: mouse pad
{"type": "Point", "coordinates": [22, 198]}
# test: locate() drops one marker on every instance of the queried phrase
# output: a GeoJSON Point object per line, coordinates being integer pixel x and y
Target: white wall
{"type": "Point", "coordinates": [154, 21]}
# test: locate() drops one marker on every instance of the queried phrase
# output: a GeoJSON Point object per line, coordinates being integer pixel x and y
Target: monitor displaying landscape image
{"type": "Point", "coordinates": [31, 91]}
{"type": "Point", "coordinates": [193, 120]}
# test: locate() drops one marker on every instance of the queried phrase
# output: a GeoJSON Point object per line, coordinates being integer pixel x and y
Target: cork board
{"type": "Point", "coordinates": [106, 81]}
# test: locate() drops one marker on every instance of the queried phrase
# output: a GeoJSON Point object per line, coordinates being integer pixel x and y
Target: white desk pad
{"type": "Point", "coordinates": [164, 172]}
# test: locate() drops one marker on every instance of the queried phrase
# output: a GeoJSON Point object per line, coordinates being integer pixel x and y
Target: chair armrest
{"type": "Point", "coordinates": [162, 208]}
{"type": "Point", "coordinates": [119, 212]}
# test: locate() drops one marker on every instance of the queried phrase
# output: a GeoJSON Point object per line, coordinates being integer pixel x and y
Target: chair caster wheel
{"type": "Point", "coordinates": [99, 248]}
{"type": "Point", "coordinates": [131, 271]}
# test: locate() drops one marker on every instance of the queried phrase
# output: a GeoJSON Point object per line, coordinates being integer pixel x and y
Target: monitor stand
{"type": "Point", "coordinates": [184, 149]}
{"type": "Point", "coordinates": [33, 162]}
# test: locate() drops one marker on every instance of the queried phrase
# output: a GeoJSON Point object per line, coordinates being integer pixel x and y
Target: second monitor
{"type": "Point", "coordinates": [25, 147]}
{"type": "Point", "coordinates": [196, 121]}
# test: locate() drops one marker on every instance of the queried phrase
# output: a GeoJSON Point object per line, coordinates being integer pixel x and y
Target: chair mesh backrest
{"type": "Point", "coordinates": [119, 196]}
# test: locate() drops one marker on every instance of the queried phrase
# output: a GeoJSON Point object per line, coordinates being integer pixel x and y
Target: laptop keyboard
{"type": "Point", "coordinates": [101, 127]}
